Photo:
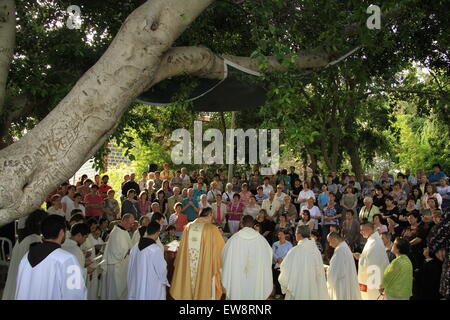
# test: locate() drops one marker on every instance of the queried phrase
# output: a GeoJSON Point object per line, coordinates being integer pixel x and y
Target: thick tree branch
{"type": "Point", "coordinates": [202, 62]}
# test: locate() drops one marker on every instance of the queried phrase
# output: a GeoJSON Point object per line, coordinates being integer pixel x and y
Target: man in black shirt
{"type": "Point", "coordinates": [293, 176]}
{"type": "Point", "coordinates": [131, 184]}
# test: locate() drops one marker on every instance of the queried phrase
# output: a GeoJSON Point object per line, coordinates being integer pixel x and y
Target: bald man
{"type": "Point", "coordinates": [371, 263]}
{"type": "Point", "coordinates": [116, 256]}
{"type": "Point", "coordinates": [342, 279]}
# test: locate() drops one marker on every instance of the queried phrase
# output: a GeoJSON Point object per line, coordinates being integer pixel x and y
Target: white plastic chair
{"type": "Point", "coordinates": [4, 258]}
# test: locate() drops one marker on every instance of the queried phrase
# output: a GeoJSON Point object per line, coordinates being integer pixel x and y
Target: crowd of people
{"type": "Point", "coordinates": [281, 228]}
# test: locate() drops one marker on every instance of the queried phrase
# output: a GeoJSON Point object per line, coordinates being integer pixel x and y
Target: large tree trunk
{"type": "Point", "coordinates": [355, 159]}
{"type": "Point", "coordinates": [139, 57]}
{"type": "Point", "coordinates": [81, 123]}
{"type": "Point", "coordinates": [7, 44]}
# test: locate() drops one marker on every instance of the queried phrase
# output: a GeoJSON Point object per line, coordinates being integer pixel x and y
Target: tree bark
{"type": "Point", "coordinates": [355, 159]}
{"type": "Point", "coordinates": [139, 57]}
{"type": "Point", "coordinates": [81, 123]}
{"type": "Point", "coordinates": [7, 44]}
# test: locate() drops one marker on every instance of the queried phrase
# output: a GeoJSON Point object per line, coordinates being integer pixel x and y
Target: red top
{"type": "Point", "coordinates": [93, 199]}
{"type": "Point", "coordinates": [181, 221]}
{"type": "Point", "coordinates": [103, 190]}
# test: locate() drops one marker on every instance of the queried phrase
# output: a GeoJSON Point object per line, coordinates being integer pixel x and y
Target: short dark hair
{"type": "Point", "coordinates": [380, 217]}
{"type": "Point", "coordinates": [82, 228]}
{"type": "Point", "coordinates": [156, 217]}
{"type": "Point", "coordinates": [416, 214]}
{"type": "Point", "coordinates": [75, 211]}
{"type": "Point", "coordinates": [205, 212]}
{"type": "Point", "coordinates": [403, 245]}
{"type": "Point", "coordinates": [76, 217]}
{"type": "Point", "coordinates": [52, 225]}
{"type": "Point", "coordinates": [248, 220]}
{"type": "Point", "coordinates": [91, 221]}
{"type": "Point", "coordinates": [153, 227]}
{"type": "Point", "coordinates": [171, 227]}
{"type": "Point", "coordinates": [131, 191]}
{"type": "Point", "coordinates": [34, 221]}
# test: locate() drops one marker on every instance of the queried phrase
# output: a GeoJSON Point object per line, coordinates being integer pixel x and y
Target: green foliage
{"type": "Point", "coordinates": [422, 142]}
{"type": "Point", "coordinates": [352, 102]}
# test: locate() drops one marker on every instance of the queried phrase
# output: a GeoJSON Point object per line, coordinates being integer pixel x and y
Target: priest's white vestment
{"type": "Point", "coordinates": [302, 274]}
{"type": "Point", "coordinates": [72, 246]}
{"type": "Point", "coordinates": [116, 256]}
{"type": "Point", "coordinates": [48, 272]}
{"type": "Point", "coordinates": [372, 262]}
{"type": "Point", "coordinates": [342, 278]}
{"type": "Point", "coordinates": [137, 237]}
{"type": "Point", "coordinates": [19, 250]}
{"type": "Point", "coordinates": [147, 272]}
{"type": "Point", "coordinates": [247, 266]}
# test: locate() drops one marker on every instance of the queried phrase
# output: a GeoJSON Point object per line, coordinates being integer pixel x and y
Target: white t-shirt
{"type": "Point", "coordinates": [315, 214]}
{"type": "Point", "coordinates": [227, 196]}
{"type": "Point", "coordinates": [82, 208]}
{"type": "Point", "coordinates": [252, 211]}
{"type": "Point", "coordinates": [201, 205]}
{"type": "Point", "coordinates": [267, 189]}
{"type": "Point", "coordinates": [281, 197]}
{"type": "Point", "coordinates": [305, 195]}
{"type": "Point", "coordinates": [59, 212]}
{"type": "Point", "coordinates": [173, 219]}
{"type": "Point", "coordinates": [211, 195]}
{"type": "Point", "coordinates": [69, 204]}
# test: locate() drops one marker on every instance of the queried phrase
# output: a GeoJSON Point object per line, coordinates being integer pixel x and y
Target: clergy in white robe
{"type": "Point", "coordinates": [32, 229]}
{"type": "Point", "coordinates": [147, 270]}
{"type": "Point", "coordinates": [144, 221]}
{"type": "Point", "coordinates": [95, 245]}
{"type": "Point", "coordinates": [142, 230]}
{"type": "Point", "coordinates": [302, 275]}
{"type": "Point", "coordinates": [342, 278]}
{"type": "Point", "coordinates": [48, 272]}
{"type": "Point", "coordinates": [247, 264]}
{"type": "Point", "coordinates": [372, 262]}
{"type": "Point", "coordinates": [116, 256]}
{"type": "Point", "coordinates": [77, 218]}
{"type": "Point", "coordinates": [78, 235]}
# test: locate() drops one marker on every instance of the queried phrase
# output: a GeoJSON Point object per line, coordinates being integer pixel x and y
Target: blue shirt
{"type": "Point", "coordinates": [323, 199]}
{"type": "Point", "coordinates": [280, 250]}
{"type": "Point", "coordinates": [198, 194]}
{"type": "Point", "coordinates": [190, 212]}
{"type": "Point", "coordinates": [261, 198]}
{"type": "Point", "coordinates": [432, 177]}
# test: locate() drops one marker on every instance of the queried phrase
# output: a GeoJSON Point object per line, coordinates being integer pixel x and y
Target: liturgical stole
{"type": "Point", "coordinates": [195, 236]}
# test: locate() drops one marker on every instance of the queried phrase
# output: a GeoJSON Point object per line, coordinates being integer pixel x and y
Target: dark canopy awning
{"type": "Point", "coordinates": [238, 90]}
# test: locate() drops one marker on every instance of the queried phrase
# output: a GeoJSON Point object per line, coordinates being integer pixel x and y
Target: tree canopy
{"type": "Point", "coordinates": [330, 112]}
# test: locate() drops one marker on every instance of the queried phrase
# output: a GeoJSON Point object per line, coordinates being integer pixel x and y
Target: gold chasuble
{"type": "Point", "coordinates": [198, 263]}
